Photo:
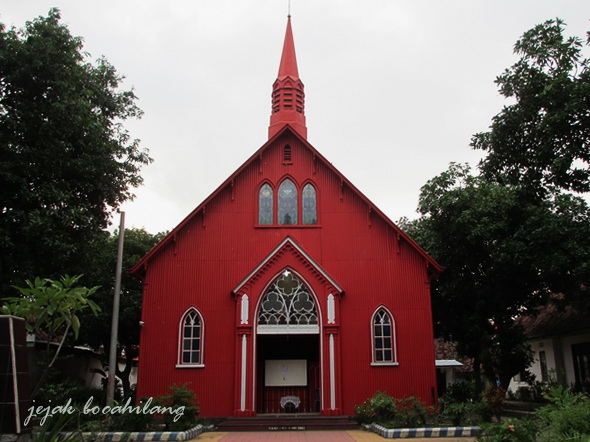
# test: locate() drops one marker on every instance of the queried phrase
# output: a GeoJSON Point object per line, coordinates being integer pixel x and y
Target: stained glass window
{"type": "Point", "coordinates": [265, 205]}
{"type": "Point", "coordinates": [287, 205]}
{"type": "Point", "coordinates": [288, 302]}
{"type": "Point", "coordinates": [309, 203]}
{"type": "Point", "coordinates": [191, 338]}
{"type": "Point", "coordinates": [383, 346]}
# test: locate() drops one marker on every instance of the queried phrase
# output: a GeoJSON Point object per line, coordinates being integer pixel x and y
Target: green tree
{"type": "Point", "coordinates": [503, 255]}
{"type": "Point", "coordinates": [542, 140]}
{"type": "Point", "coordinates": [66, 162]}
{"type": "Point", "coordinates": [512, 236]}
{"type": "Point", "coordinates": [137, 242]}
{"type": "Point", "coordinates": [51, 309]}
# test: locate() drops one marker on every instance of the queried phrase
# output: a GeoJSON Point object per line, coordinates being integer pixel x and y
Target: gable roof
{"type": "Point", "coordinates": [433, 267]}
{"type": "Point", "coordinates": [288, 245]}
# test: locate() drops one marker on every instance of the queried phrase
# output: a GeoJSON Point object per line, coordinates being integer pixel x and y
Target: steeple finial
{"type": "Point", "coordinates": [288, 98]}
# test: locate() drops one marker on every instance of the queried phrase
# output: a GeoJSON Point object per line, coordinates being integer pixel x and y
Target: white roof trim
{"type": "Point", "coordinates": [274, 252]}
{"type": "Point", "coordinates": [448, 363]}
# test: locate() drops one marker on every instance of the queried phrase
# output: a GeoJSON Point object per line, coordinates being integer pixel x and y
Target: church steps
{"type": "Point", "coordinates": [295, 422]}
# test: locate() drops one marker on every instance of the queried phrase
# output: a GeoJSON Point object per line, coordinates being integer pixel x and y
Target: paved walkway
{"type": "Point", "coordinates": [307, 436]}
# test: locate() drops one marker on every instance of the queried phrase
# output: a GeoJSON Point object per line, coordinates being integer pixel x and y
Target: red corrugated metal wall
{"type": "Point", "coordinates": [220, 245]}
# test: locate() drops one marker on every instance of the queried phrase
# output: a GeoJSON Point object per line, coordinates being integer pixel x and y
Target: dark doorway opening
{"type": "Point", "coordinates": [581, 355]}
{"type": "Point", "coordinates": [289, 398]}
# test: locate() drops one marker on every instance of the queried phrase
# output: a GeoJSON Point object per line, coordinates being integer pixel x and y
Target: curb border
{"type": "Point", "coordinates": [409, 433]}
{"type": "Point", "coordinates": [140, 436]}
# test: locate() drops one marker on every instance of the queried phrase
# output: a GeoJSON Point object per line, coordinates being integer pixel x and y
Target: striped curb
{"type": "Point", "coordinates": [408, 433]}
{"type": "Point", "coordinates": [143, 436]}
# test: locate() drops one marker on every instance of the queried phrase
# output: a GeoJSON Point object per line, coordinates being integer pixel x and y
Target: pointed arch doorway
{"type": "Point", "coordinates": [288, 362]}
{"type": "Point", "coordinates": [287, 309]}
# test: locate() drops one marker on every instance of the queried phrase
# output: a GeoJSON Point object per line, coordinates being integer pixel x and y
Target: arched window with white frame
{"type": "Point", "coordinates": [383, 338]}
{"type": "Point", "coordinates": [190, 351]}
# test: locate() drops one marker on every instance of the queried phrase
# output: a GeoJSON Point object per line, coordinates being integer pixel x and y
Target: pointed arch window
{"type": "Point", "coordinates": [309, 205]}
{"type": "Point", "coordinates": [265, 205]}
{"type": "Point", "coordinates": [383, 336]}
{"type": "Point", "coordinates": [190, 352]}
{"type": "Point", "coordinates": [287, 203]}
{"type": "Point", "coordinates": [288, 307]}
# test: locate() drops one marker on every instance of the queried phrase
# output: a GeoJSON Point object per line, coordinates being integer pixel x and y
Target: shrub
{"type": "Point", "coordinates": [181, 397]}
{"type": "Point", "coordinates": [493, 398]}
{"type": "Point", "coordinates": [131, 422]}
{"type": "Point", "coordinates": [57, 391]}
{"type": "Point", "coordinates": [523, 430]}
{"type": "Point", "coordinates": [391, 412]}
{"type": "Point", "coordinates": [567, 413]}
{"type": "Point", "coordinates": [466, 413]}
{"type": "Point", "coordinates": [412, 412]}
{"type": "Point", "coordinates": [364, 412]}
{"type": "Point", "coordinates": [456, 413]}
{"type": "Point", "coordinates": [384, 406]}
{"type": "Point", "coordinates": [460, 392]}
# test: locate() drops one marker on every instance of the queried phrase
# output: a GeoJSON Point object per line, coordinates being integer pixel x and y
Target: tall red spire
{"type": "Point", "coordinates": [288, 98]}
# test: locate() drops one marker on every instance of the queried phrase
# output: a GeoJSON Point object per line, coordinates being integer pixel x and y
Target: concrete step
{"type": "Point", "coordinates": [288, 423]}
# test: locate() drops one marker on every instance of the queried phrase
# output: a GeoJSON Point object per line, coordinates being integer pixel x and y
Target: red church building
{"type": "Point", "coordinates": [287, 289]}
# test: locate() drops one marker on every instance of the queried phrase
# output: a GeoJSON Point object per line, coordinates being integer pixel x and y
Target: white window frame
{"type": "Point", "coordinates": [200, 363]}
{"type": "Point", "coordinates": [374, 361]}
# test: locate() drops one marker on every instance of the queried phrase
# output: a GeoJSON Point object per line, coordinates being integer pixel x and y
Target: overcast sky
{"type": "Point", "coordinates": [394, 88]}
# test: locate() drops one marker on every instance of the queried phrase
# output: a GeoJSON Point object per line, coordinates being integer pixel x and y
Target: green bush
{"type": "Point", "coordinates": [412, 412]}
{"type": "Point", "coordinates": [57, 391]}
{"type": "Point", "coordinates": [52, 428]}
{"type": "Point", "coordinates": [567, 413]}
{"type": "Point", "coordinates": [460, 392]}
{"type": "Point", "coordinates": [456, 413]}
{"type": "Point", "coordinates": [181, 397]}
{"type": "Point", "coordinates": [493, 398]}
{"type": "Point", "coordinates": [364, 413]}
{"type": "Point", "coordinates": [391, 412]}
{"type": "Point", "coordinates": [132, 422]}
{"type": "Point", "coordinates": [522, 430]}
{"type": "Point", "coordinates": [384, 406]}
{"type": "Point", "coordinates": [466, 413]}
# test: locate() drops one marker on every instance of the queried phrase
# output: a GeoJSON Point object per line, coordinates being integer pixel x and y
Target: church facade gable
{"type": "Point", "coordinates": [287, 289]}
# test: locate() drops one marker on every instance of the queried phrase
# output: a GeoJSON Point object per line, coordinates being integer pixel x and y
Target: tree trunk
{"type": "Point", "coordinates": [477, 376]}
{"type": "Point", "coordinates": [125, 374]}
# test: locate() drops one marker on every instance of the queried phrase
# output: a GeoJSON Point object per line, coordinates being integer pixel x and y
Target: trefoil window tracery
{"type": "Point", "coordinates": [288, 307]}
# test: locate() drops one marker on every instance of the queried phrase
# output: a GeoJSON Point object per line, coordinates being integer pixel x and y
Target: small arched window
{"type": "Point", "coordinates": [191, 339]}
{"type": "Point", "coordinates": [309, 203]}
{"type": "Point", "coordinates": [287, 203]}
{"type": "Point", "coordinates": [265, 205]}
{"type": "Point", "coordinates": [383, 334]}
